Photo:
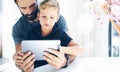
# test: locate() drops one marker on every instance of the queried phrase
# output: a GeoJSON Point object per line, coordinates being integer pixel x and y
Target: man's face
{"type": "Point", "coordinates": [28, 8]}
{"type": "Point", "coordinates": [48, 17]}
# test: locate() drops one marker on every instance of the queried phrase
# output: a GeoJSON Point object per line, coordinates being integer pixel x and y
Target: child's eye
{"type": "Point", "coordinates": [43, 16]}
{"type": "Point", "coordinates": [52, 17]}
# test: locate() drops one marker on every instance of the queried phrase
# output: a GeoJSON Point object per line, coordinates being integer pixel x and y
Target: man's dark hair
{"type": "Point", "coordinates": [15, 1]}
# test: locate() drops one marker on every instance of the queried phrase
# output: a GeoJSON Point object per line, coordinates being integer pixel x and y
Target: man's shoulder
{"type": "Point", "coordinates": [18, 28]}
{"type": "Point", "coordinates": [61, 24]}
{"type": "Point", "coordinates": [20, 21]}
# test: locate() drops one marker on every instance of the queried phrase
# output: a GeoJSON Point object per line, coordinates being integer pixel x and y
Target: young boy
{"type": "Point", "coordinates": [48, 16]}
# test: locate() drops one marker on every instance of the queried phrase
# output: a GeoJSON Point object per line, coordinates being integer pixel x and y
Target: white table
{"type": "Point", "coordinates": [4, 64]}
{"type": "Point", "coordinates": [88, 64]}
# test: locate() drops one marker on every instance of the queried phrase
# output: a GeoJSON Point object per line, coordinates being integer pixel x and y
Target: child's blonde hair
{"type": "Point", "coordinates": [49, 3]}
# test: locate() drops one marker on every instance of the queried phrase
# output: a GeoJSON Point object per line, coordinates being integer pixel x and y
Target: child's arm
{"type": "Point", "coordinates": [72, 50]}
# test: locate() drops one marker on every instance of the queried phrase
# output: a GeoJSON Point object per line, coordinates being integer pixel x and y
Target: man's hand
{"type": "Point", "coordinates": [25, 61]}
{"type": "Point", "coordinates": [17, 57]}
{"type": "Point", "coordinates": [57, 60]}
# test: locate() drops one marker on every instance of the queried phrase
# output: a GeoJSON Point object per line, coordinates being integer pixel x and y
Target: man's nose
{"type": "Point", "coordinates": [28, 11]}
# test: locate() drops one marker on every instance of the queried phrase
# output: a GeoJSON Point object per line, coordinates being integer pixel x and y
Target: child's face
{"type": "Point", "coordinates": [48, 17]}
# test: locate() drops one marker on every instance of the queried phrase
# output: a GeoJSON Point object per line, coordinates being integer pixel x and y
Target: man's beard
{"type": "Point", "coordinates": [31, 16]}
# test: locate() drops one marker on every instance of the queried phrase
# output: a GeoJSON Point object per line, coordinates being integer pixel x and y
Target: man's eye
{"type": "Point", "coordinates": [33, 5]}
{"type": "Point", "coordinates": [23, 7]}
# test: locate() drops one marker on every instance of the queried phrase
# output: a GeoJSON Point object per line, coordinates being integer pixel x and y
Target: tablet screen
{"type": "Point", "coordinates": [39, 46]}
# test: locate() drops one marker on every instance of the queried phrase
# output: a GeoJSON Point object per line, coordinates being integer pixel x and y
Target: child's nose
{"type": "Point", "coordinates": [47, 21]}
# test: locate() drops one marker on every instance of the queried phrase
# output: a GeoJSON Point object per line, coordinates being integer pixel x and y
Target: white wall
{"type": "Point", "coordinates": [0, 5]}
{"type": "Point", "coordinates": [0, 30]}
{"type": "Point", "coordinates": [9, 14]}
{"type": "Point", "coordinates": [101, 39]}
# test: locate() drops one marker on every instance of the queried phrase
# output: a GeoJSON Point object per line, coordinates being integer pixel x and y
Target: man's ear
{"type": "Point", "coordinates": [57, 18]}
{"type": "Point", "coordinates": [38, 15]}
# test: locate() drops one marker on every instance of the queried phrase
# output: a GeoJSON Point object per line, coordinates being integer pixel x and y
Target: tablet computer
{"type": "Point", "coordinates": [39, 46]}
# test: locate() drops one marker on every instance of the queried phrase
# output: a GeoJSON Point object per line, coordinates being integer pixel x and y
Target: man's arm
{"type": "Point", "coordinates": [58, 60]}
{"type": "Point", "coordinates": [17, 57]}
{"type": "Point", "coordinates": [18, 47]}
